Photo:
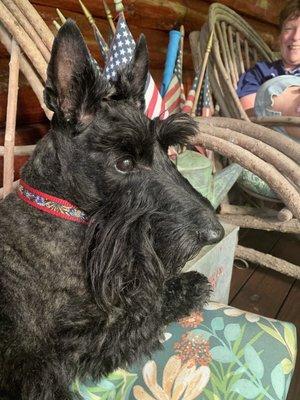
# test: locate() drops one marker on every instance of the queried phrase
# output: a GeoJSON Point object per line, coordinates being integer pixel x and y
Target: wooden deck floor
{"type": "Point", "coordinates": [267, 292]}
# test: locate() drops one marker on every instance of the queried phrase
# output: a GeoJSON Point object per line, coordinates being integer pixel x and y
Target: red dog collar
{"type": "Point", "coordinates": [52, 205]}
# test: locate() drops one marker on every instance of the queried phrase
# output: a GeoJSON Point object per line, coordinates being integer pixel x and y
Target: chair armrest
{"type": "Point", "coordinates": [276, 121]}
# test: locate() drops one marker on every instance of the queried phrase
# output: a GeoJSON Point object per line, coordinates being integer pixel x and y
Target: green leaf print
{"type": "Point", "coordinates": [246, 388]}
{"type": "Point", "coordinates": [232, 332]}
{"type": "Point", "coordinates": [222, 354]}
{"type": "Point", "coordinates": [217, 324]}
{"type": "Point", "coordinates": [278, 380]}
{"type": "Point", "coordinates": [253, 361]}
{"type": "Point", "coordinates": [116, 386]}
{"type": "Point", "coordinates": [271, 331]}
{"type": "Point", "coordinates": [290, 338]}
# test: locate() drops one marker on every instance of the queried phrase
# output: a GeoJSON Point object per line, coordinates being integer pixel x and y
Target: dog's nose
{"type": "Point", "coordinates": [211, 233]}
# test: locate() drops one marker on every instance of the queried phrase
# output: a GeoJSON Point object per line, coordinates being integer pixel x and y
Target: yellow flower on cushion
{"type": "Point", "coordinates": [180, 381]}
{"type": "Point", "coordinates": [171, 370]}
{"type": "Point", "coordinates": [197, 383]}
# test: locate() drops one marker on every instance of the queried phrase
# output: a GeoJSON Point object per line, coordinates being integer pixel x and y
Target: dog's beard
{"type": "Point", "coordinates": [175, 241]}
{"type": "Point", "coordinates": [122, 267]}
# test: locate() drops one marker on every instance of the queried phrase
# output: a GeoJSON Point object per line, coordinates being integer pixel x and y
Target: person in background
{"type": "Point", "coordinates": [273, 88]}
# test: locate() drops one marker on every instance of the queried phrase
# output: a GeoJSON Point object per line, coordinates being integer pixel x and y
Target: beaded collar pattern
{"type": "Point", "coordinates": [52, 205]}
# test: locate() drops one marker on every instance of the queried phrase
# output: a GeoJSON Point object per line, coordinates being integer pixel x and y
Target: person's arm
{"type": "Point", "coordinates": [288, 103]}
{"type": "Point", "coordinates": [247, 103]}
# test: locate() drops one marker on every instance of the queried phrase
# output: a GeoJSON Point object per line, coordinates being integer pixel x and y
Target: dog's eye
{"type": "Point", "coordinates": [125, 165]}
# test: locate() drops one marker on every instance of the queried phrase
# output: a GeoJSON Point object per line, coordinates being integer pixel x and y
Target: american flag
{"type": "Point", "coordinates": [204, 108]}
{"type": "Point", "coordinates": [120, 54]}
{"type": "Point", "coordinates": [174, 97]}
{"type": "Point", "coordinates": [204, 104]}
{"type": "Point", "coordinates": [171, 57]}
{"type": "Point", "coordinates": [188, 105]}
{"type": "Point", "coordinates": [103, 48]}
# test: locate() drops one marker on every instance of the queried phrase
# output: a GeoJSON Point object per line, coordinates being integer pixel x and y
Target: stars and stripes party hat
{"type": "Point", "coordinates": [120, 54]}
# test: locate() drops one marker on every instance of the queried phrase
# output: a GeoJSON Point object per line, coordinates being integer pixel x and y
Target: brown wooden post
{"type": "Point", "coordinates": [12, 100]}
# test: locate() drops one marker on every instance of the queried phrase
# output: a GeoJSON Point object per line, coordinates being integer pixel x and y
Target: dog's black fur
{"type": "Point", "coordinates": [77, 300]}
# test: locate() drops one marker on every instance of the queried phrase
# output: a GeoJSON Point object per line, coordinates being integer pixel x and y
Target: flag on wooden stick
{"type": "Point", "coordinates": [102, 46]}
{"type": "Point", "coordinates": [120, 54]}
{"type": "Point", "coordinates": [101, 43]}
{"type": "Point", "coordinates": [109, 17]}
{"type": "Point", "coordinates": [174, 97]}
{"type": "Point", "coordinates": [204, 106]}
{"type": "Point", "coordinates": [188, 105]}
{"type": "Point", "coordinates": [61, 16]}
{"type": "Point", "coordinates": [205, 109]}
{"type": "Point", "coordinates": [202, 72]}
{"type": "Point", "coordinates": [171, 57]}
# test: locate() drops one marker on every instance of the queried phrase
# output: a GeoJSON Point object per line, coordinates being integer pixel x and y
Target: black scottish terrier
{"type": "Point", "coordinates": [90, 288]}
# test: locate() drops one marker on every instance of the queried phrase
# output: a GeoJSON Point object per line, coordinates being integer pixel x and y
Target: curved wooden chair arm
{"type": "Point", "coordinates": [276, 121]}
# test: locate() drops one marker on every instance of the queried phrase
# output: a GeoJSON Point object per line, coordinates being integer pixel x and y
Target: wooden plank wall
{"type": "Point", "coordinates": [153, 17]}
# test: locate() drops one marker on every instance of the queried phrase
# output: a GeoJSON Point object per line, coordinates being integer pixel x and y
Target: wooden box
{"type": "Point", "coordinates": [216, 262]}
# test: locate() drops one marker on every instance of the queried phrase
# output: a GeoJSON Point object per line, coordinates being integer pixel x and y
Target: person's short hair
{"type": "Point", "coordinates": [290, 11]}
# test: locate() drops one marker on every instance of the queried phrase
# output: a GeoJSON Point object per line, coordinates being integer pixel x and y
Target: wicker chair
{"type": "Point", "coordinates": [236, 48]}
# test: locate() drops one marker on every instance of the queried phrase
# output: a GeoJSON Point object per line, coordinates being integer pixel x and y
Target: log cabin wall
{"type": "Point", "coordinates": [155, 18]}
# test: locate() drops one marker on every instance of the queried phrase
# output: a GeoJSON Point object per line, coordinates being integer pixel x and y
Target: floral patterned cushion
{"type": "Point", "coordinates": [220, 354]}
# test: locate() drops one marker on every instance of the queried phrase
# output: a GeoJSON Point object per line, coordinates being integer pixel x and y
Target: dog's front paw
{"type": "Point", "coordinates": [183, 294]}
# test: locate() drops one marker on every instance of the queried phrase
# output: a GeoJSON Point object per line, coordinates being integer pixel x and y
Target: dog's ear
{"type": "Point", "coordinates": [130, 83]}
{"type": "Point", "coordinates": [139, 71]}
{"type": "Point", "coordinates": [73, 87]}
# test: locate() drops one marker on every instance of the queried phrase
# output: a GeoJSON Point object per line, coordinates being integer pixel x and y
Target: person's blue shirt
{"type": "Point", "coordinates": [262, 71]}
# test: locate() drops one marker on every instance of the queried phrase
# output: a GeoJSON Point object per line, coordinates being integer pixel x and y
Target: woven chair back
{"type": "Point", "coordinates": [236, 48]}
